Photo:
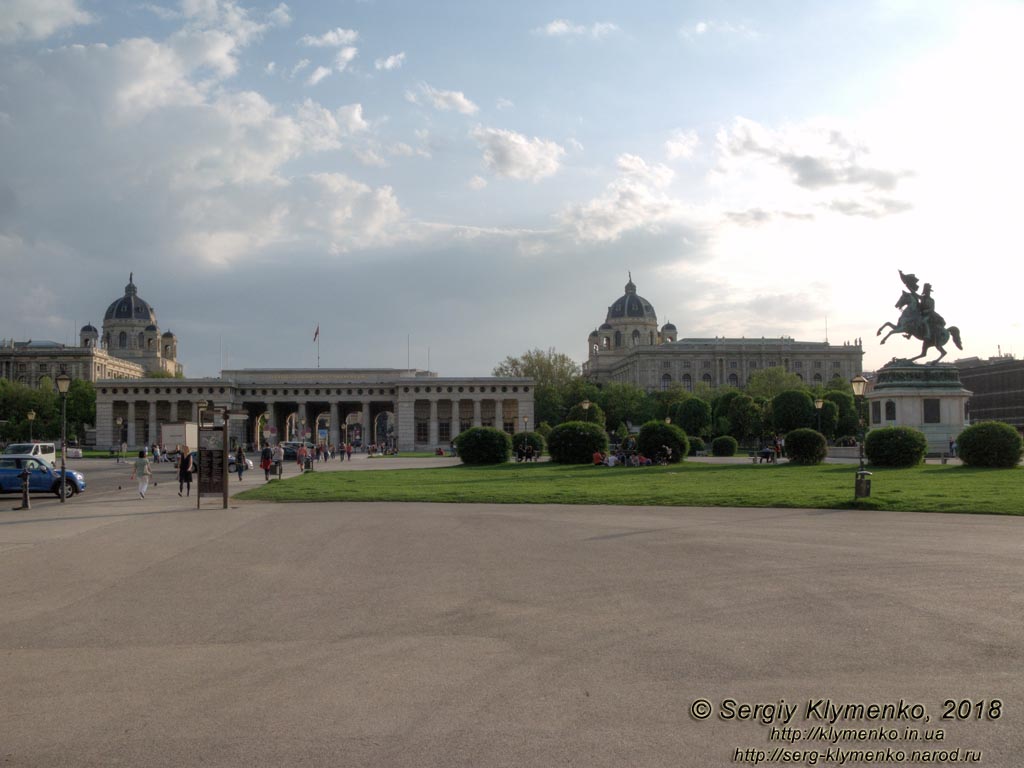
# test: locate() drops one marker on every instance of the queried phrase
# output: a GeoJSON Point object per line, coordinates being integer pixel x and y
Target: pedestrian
{"type": "Point", "coordinates": [185, 470]}
{"type": "Point", "coordinates": [142, 471]}
{"type": "Point", "coordinates": [240, 462]}
{"type": "Point", "coordinates": [124, 451]}
{"type": "Point", "coordinates": [266, 460]}
{"type": "Point", "coordinates": [278, 457]}
{"type": "Point", "coordinates": [348, 451]}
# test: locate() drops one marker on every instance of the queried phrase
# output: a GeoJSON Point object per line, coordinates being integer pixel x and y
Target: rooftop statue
{"type": "Point", "coordinates": [920, 320]}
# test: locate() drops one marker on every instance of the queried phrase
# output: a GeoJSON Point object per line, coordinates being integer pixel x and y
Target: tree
{"type": "Point", "coordinates": [769, 382]}
{"type": "Point", "coordinates": [548, 368]}
{"type": "Point", "coordinates": [663, 401]}
{"type": "Point", "coordinates": [693, 416]}
{"type": "Point", "coordinates": [744, 417]}
{"type": "Point", "coordinates": [793, 410]}
{"type": "Point", "coordinates": [721, 400]}
{"type": "Point", "coordinates": [847, 420]}
{"type": "Point", "coordinates": [590, 415]}
{"type": "Point", "coordinates": [623, 402]}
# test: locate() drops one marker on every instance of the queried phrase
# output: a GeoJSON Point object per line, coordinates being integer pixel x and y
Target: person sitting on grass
{"type": "Point", "coordinates": [598, 458]}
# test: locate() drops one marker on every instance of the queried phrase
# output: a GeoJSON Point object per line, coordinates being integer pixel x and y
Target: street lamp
{"type": "Point", "coordinates": [585, 405]}
{"type": "Point", "coordinates": [526, 421]}
{"type": "Point", "coordinates": [31, 416]}
{"type": "Point", "coordinates": [119, 420]}
{"type": "Point", "coordinates": [201, 405]}
{"type": "Point", "coordinates": [63, 383]}
{"type": "Point", "coordinates": [862, 486]}
{"type": "Point", "coordinates": [818, 403]}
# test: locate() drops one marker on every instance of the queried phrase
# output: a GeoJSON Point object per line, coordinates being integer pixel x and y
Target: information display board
{"type": "Point", "coordinates": [213, 462]}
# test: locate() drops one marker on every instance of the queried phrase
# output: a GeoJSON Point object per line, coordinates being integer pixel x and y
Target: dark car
{"type": "Point", "coordinates": [42, 478]}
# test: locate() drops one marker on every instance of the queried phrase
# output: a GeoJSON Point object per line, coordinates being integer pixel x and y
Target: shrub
{"type": "Point", "coordinates": [693, 416]}
{"type": "Point", "coordinates": [593, 414]}
{"type": "Point", "coordinates": [575, 442]}
{"type": "Point", "coordinates": [896, 447]}
{"type": "Point", "coordinates": [724, 446]}
{"type": "Point", "coordinates": [806, 446]}
{"type": "Point", "coordinates": [544, 429]}
{"type": "Point", "coordinates": [522, 439]}
{"type": "Point", "coordinates": [793, 409]}
{"type": "Point", "coordinates": [483, 445]}
{"type": "Point", "coordinates": [696, 444]}
{"type": "Point", "coordinates": [990, 444]}
{"type": "Point", "coordinates": [654, 434]}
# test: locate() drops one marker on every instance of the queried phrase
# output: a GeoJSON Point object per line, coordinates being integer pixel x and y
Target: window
{"type": "Point", "coordinates": [686, 363]}
{"type": "Point", "coordinates": [42, 367]}
{"type": "Point", "coordinates": [687, 382]}
{"type": "Point", "coordinates": [707, 364]}
{"type": "Point", "coordinates": [734, 380]}
{"type": "Point", "coordinates": [817, 365]}
{"type": "Point", "coordinates": [753, 364]}
{"type": "Point", "coordinates": [122, 340]}
{"type": "Point", "coordinates": [817, 378]}
{"type": "Point", "coordinates": [666, 366]}
{"type": "Point", "coordinates": [798, 365]}
{"type": "Point", "coordinates": [142, 340]}
{"type": "Point", "coordinates": [931, 411]}
{"type": "Point", "coordinates": [444, 431]}
{"type": "Point", "coordinates": [422, 432]}
{"type": "Point", "coordinates": [707, 379]}
{"type": "Point", "coordinates": [876, 412]}
{"type": "Point", "coordinates": [890, 410]}
{"type": "Point", "coordinates": [835, 364]}
{"type": "Point", "coordinates": [666, 382]}
{"type": "Point", "coordinates": [733, 364]}
{"type": "Point", "coordinates": [636, 338]}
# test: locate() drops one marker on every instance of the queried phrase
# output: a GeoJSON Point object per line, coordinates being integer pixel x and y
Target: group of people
{"type": "Point", "coordinates": [622, 458]}
{"type": "Point", "coordinates": [142, 470]}
{"type": "Point", "coordinates": [526, 453]}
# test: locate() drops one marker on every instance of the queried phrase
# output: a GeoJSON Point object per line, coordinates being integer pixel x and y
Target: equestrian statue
{"type": "Point", "coordinates": [920, 320]}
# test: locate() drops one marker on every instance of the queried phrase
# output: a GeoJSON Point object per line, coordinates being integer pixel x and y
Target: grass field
{"type": "Point", "coordinates": [929, 488]}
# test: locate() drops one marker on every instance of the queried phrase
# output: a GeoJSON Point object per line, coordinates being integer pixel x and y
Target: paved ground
{"type": "Point", "coordinates": [153, 634]}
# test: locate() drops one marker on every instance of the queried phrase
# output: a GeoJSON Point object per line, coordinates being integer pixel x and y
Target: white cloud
{"type": "Point", "coordinates": [446, 101]}
{"type": "Point", "coordinates": [477, 183]}
{"type": "Point", "coordinates": [334, 38]}
{"type": "Point", "coordinates": [38, 19]}
{"type": "Point", "coordinates": [566, 28]}
{"type": "Point", "coordinates": [317, 75]}
{"type": "Point", "coordinates": [391, 62]}
{"type": "Point", "coordinates": [636, 201]}
{"type": "Point", "coordinates": [350, 117]}
{"type": "Point", "coordinates": [271, 68]}
{"type": "Point", "coordinates": [345, 57]}
{"type": "Point", "coordinates": [504, 103]}
{"type": "Point", "coordinates": [515, 156]}
{"type": "Point", "coordinates": [303, 64]}
{"type": "Point", "coordinates": [681, 145]}
{"type": "Point", "coordinates": [718, 28]}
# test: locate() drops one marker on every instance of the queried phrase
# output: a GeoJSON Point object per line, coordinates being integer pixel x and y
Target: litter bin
{"type": "Point", "coordinates": [862, 485]}
{"type": "Point", "coordinates": [308, 466]}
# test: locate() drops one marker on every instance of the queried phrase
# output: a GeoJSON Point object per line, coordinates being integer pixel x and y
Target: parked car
{"type": "Point", "coordinates": [231, 463]}
{"type": "Point", "coordinates": [291, 449]}
{"type": "Point", "coordinates": [46, 451]}
{"type": "Point", "coordinates": [42, 477]}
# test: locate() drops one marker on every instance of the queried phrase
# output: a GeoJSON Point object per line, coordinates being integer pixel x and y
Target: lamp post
{"type": "Point", "coordinates": [63, 383]}
{"type": "Point", "coordinates": [526, 421]}
{"type": "Point", "coordinates": [862, 486]}
{"type": "Point", "coordinates": [585, 405]}
{"type": "Point", "coordinates": [818, 403]}
{"type": "Point", "coordinates": [201, 405]}
{"type": "Point", "coordinates": [31, 416]}
{"type": "Point", "coordinates": [119, 421]}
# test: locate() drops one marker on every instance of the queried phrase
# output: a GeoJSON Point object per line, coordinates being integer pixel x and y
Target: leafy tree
{"type": "Point", "coordinates": [769, 382]}
{"type": "Point", "coordinates": [847, 421]}
{"type": "Point", "coordinates": [576, 442]}
{"type": "Point", "coordinates": [483, 445]}
{"type": "Point", "coordinates": [622, 402]}
{"type": "Point", "coordinates": [544, 367]}
{"type": "Point", "coordinates": [663, 401]}
{"type": "Point", "coordinates": [829, 415]}
{"type": "Point", "coordinates": [591, 415]}
{"type": "Point", "coordinates": [721, 400]}
{"type": "Point", "coordinates": [693, 416]}
{"type": "Point", "coordinates": [654, 434]}
{"type": "Point", "coordinates": [793, 410]}
{"type": "Point", "coordinates": [744, 417]}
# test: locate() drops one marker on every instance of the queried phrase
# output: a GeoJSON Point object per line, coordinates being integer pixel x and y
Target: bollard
{"type": "Point", "coordinates": [862, 485]}
{"type": "Point", "coordinates": [26, 502]}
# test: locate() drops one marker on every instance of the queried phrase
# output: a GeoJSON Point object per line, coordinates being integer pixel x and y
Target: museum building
{"type": "Point", "coordinates": [630, 348]}
{"type": "Point", "coordinates": [130, 347]}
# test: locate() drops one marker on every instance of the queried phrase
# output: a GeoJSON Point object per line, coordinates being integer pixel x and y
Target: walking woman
{"type": "Point", "coordinates": [185, 469]}
{"type": "Point", "coordinates": [240, 462]}
{"type": "Point", "coordinates": [142, 471]}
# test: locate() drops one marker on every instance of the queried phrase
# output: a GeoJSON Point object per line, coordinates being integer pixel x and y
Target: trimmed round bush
{"type": "Point", "coordinates": [724, 446]}
{"type": "Point", "coordinates": [654, 434]}
{"type": "Point", "coordinates": [990, 444]}
{"type": "Point", "coordinates": [522, 439]}
{"type": "Point", "coordinates": [696, 444]}
{"type": "Point", "coordinates": [806, 446]}
{"type": "Point", "coordinates": [483, 445]}
{"type": "Point", "coordinates": [575, 442]}
{"type": "Point", "coordinates": [895, 447]}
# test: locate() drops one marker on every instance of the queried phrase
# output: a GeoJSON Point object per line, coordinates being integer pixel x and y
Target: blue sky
{"type": "Point", "coordinates": [479, 177]}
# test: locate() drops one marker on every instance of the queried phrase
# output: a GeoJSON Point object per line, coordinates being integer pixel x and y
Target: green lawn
{"type": "Point", "coordinates": [930, 488]}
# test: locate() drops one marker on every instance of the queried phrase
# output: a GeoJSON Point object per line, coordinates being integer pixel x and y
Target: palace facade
{"type": "Point", "coordinates": [630, 348]}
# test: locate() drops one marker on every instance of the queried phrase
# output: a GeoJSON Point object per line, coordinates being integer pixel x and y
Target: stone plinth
{"type": "Point", "coordinates": [927, 397]}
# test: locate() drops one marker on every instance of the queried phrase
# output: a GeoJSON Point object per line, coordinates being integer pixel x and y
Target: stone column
{"type": "Point", "coordinates": [105, 425]}
{"type": "Point", "coordinates": [476, 412]}
{"type": "Point", "coordinates": [405, 424]}
{"type": "Point", "coordinates": [174, 410]}
{"type": "Point", "coordinates": [154, 432]}
{"type": "Point", "coordinates": [433, 431]}
{"type": "Point", "coordinates": [334, 435]}
{"type": "Point", "coordinates": [455, 419]}
{"type": "Point", "coordinates": [366, 423]}
{"type": "Point", "coordinates": [131, 424]}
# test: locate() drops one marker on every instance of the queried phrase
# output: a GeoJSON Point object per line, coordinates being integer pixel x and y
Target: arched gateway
{"type": "Point", "coordinates": [413, 409]}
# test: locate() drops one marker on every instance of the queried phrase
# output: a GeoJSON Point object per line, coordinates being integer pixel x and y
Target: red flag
{"type": "Point", "coordinates": [317, 334]}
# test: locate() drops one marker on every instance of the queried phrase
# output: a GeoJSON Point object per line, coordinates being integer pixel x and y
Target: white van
{"type": "Point", "coordinates": [47, 451]}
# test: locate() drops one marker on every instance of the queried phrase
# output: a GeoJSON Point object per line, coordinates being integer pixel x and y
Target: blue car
{"type": "Point", "coordinates": [42, 478]}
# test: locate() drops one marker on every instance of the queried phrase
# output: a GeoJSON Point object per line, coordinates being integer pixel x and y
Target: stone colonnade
{"type": "Point", "coordinates": [405, 408]}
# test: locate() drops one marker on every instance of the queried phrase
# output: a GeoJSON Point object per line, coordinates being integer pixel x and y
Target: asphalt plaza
{"type": "Point", "coordinates": [149, 633]}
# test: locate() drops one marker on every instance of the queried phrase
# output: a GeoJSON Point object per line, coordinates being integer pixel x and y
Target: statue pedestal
{"type": "Point", "coordinates": [926, 397]}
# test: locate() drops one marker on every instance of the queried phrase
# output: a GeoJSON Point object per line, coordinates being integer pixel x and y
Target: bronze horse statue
{"type": "Point", "coordinates": [920, 320]}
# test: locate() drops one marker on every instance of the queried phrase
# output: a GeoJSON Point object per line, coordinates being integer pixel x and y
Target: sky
{"type": "Point", "coordinates": [446, 184]}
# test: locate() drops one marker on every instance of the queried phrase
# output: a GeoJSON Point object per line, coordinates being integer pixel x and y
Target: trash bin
{"type": "Point", "coordinates": [309, 464]}
{"type": "Point", "coordinates": [862, 485]}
